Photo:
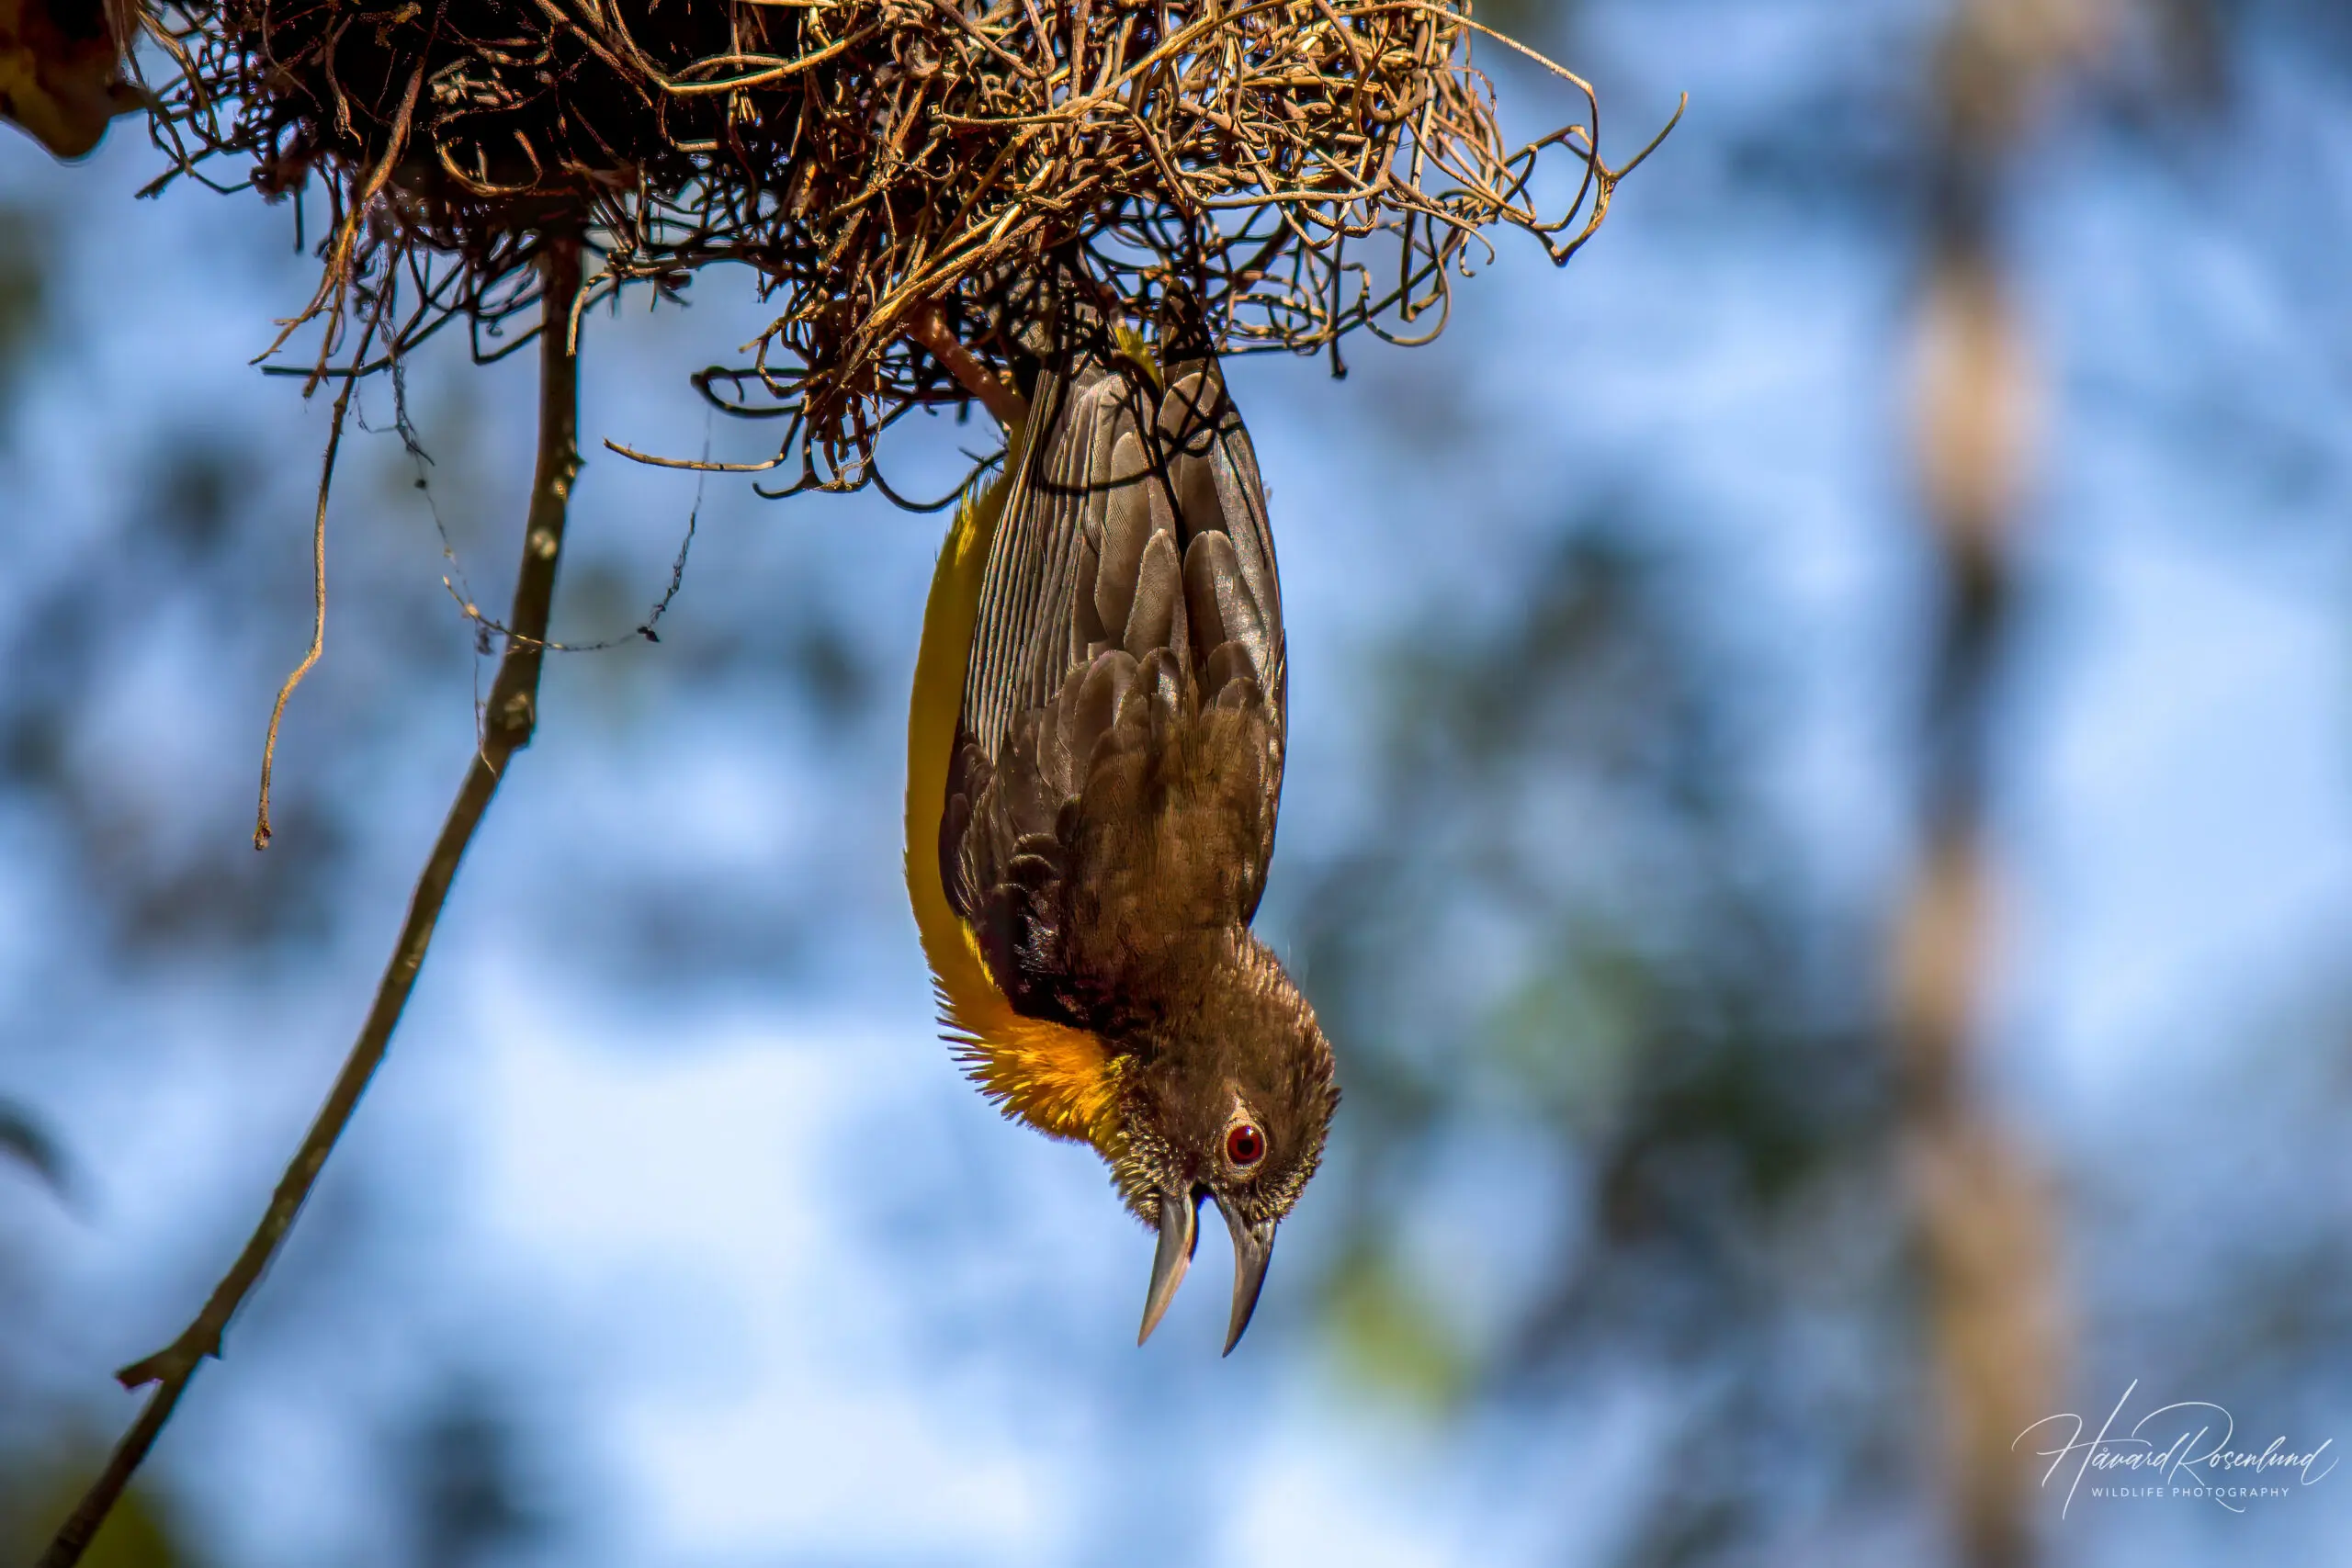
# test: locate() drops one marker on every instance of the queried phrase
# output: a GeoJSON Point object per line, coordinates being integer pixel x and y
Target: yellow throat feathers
{"type": "Point", "coordinates": [1058, 1079]}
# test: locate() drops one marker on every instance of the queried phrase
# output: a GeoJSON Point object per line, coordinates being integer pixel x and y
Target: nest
{"type": "Point", "coordinates": [1299, 169]}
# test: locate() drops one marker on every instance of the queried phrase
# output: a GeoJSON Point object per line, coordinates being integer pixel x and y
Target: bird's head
{"type": "Point", "coordinates": [1226, 1097]}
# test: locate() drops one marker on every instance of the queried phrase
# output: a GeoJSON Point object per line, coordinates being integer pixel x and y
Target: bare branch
{"type": "Point", "coordinates": [511, 716]}
{"type": "Point", "coordinates": [926, 327]}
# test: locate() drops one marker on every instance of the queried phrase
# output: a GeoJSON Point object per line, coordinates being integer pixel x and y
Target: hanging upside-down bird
{"type": "Point", "coordinates": [1095, 758]}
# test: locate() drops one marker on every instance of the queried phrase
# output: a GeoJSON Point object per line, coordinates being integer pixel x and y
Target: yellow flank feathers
{"type": "Point", "coordinates": [1137, 348]}
{"type": "Point", "coordinates": [1058, 1079]}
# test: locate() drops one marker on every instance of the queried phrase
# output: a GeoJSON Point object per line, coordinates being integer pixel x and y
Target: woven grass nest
{"type": "Point", "coordinates": [1300, 167]}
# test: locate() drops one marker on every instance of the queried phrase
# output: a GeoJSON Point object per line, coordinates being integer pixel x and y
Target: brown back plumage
{"type": "Point", "coordinates": [1119, 757]}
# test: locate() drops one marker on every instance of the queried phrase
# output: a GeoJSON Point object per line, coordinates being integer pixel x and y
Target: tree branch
{"type": "Point", "coordinates": [926, 327]}
{"type": "Point", "coordinates": [512, 715]}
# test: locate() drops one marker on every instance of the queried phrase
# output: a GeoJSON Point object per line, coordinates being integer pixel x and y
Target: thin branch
{"type": "Point", "coordinates": [513, 713]}
{"type": "Point", "coordinates": [926, 327]}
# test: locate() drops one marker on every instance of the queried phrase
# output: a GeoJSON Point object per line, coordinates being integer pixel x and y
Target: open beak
{"type": "Point", "coordinates": [1253, 1248]}
{"type": "Point", "coordinates": [1178, 1233]}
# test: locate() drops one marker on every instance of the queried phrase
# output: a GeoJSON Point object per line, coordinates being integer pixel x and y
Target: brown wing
{"type": "Point", "coordinates": [1118, 762]}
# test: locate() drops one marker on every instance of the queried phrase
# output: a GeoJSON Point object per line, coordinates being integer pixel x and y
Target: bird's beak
{"type": "Point", "coordinates": [1178, 1233]}
{"type": "Point", "coordinates": [1253, 1248]}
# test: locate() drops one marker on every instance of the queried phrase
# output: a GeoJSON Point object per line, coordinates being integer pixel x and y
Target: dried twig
{"type": "Point", "coordinates": [512, 715]}
{"type": "Point", "coordinates": [318, 607]}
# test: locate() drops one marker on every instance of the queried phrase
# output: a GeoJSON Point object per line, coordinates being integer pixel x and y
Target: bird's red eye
{"type": "Point", "coordinates": [1245, 1144]}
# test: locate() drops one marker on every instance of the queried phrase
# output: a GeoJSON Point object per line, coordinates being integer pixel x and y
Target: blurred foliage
{"type": "Point", "coordinates": [1571, 917]}
{"type": "Point", "coordinates": [26, 1139]}
{"type": "Point", "coordinates": [189, 553]}
{"type": "Point", "coordinates": [1391, 1333]}
{"type": "Point", "coordinates": [24, 263]}
{"type": "Point", "coordinates": [40, 1490]}
{"type": "Point", "coordinates": [1545, 25]}
{"type": "Point", "coordinates": [464, 1482]}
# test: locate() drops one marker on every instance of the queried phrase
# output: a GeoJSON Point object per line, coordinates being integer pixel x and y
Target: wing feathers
{"type": "Point", "coordinates": [1156, 617]}
{"type": "Point", "coordinates": [1121, 737]}
{"type": "Point", "coordinates": [1126, 527]}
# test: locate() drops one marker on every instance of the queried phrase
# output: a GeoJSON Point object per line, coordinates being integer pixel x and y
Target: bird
{"type": "Point", "coordinates": [1095, 751]}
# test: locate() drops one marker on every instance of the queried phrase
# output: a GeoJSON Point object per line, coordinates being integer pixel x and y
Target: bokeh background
{"type": "Point", "coordinates": [1820, 818]}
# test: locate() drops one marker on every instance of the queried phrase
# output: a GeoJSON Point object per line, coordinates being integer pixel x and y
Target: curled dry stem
{"type": "Point", "coordinates": [262, 832]}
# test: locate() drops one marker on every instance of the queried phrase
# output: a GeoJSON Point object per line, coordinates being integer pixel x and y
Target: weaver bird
{"type": "Point", "coordinates": [1094, 762]}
